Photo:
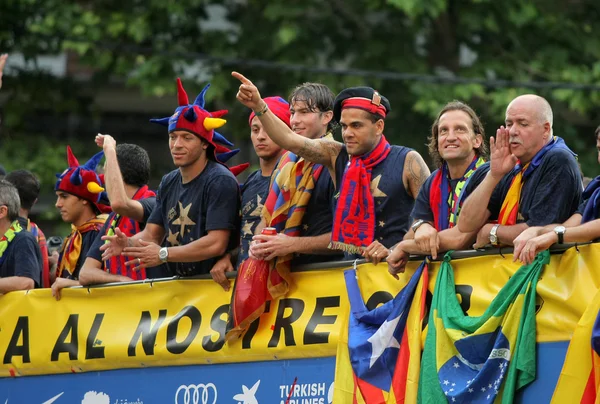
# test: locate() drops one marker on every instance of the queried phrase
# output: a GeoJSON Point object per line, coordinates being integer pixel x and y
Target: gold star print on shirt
{"type": "Point", "coordinates": [375, 191]}
{"type": "Point", "coordinates": [247, 228]}
{"type": "Point", "coordinates": [172, 239]}
{"type": "Point", "coordinates": [183, 219]}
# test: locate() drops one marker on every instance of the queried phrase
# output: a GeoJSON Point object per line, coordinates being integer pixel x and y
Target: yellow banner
{"type": "Point", "coordinates": [183, 322]}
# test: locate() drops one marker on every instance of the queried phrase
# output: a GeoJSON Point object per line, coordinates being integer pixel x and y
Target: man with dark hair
{"type": "Point", "coordinates": [299, 202]}
{"type": "Point", "coordinates": [376, 182]}
{"type": "Point", "coordinates": [20, 257]}
{"type": "Point", "coordinates": [527, 167]}
{"type": "Point", "coordinates": [458, 149]}
{"type": "Point", "coordinates": [126, 173]}
{"type": "Point", "coordinates": [79, 192]}
{"type": "Point", "coordinates": [28, 186]}
{"type": "Point", "coordinates": [255, 188]}
{"type": "Point", "coordinates": [197, 206]}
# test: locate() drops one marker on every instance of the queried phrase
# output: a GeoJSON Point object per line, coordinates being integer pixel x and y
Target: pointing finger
{"type": "Point", "coordinates": [241, 78]}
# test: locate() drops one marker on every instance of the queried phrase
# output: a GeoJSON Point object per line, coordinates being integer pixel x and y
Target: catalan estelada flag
{"type": "Point", "coordinates": [481, 359]}
{"type": "Point", "coordinates": [379, 351]}
{"type": "Point", "coordinates": [579, 379]}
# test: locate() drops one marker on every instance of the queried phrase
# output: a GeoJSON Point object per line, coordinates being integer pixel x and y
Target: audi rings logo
{"type": "Point", "coordinates": [196, 394]}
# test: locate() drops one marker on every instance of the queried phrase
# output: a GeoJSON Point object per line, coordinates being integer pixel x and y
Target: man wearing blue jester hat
{"type": "Point", "coordinates": [197, 205]}
{"type": "Point", "coordinates": [79, 191]}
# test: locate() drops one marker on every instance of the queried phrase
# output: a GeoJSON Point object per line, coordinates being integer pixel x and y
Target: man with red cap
{"type": "Point", "coordinates": [376, 183]}
{"type": "Point", "coordinates": [197, 205]}
{"type": "Point", "coordinates": [79, 192]}
{"type": "Point", "coordinates": [255, 188]}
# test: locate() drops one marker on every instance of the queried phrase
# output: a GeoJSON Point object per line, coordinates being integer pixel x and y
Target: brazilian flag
{"type": "Point", "coordinates": [481, 359]}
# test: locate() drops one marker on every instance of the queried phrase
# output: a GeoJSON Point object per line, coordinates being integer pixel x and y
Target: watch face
{"type": "Point", "coordinates": [559, 229]}
{"type": "Point", "coordinates": [162, 253]}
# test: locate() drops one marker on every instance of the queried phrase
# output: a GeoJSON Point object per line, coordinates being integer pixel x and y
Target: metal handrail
{"type": "Point", "coordinates": [555, 249]}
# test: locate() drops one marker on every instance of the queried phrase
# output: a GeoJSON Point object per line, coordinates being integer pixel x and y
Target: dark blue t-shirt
{"type": "Point", "coordinates": [318, 218]}
{"type": "Point", "coordinates": [87, 240]}
{"type": "Point", "coordinates": [551, 194]}
{"type": "Point", "coordinates": [22, 257]}
{"type": "Point", "coordinates": [393, 204]}
{"type": "Point", "coordinates": [187, 212]}
{"type": "Point", "coordinates": [422, 209]}
{"type": "Point", "coordinates": [254, 194]}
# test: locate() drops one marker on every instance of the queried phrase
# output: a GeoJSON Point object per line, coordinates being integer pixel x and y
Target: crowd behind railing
{"type": "Point", "coordinates": [314, 199]}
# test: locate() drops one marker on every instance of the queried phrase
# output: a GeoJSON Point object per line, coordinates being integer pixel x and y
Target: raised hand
{"type": "Point", "coordinates": [105, 141]}
{"type": "Point", "coordinates": [248, 93]}
{"type": "Point", "coordinates": [2, 64]}
{"type": "Point", "coordinates": [502, 161]}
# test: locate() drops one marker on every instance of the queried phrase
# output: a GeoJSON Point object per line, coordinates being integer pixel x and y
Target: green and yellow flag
{"type": "Point", "coordinates": [481, 359]}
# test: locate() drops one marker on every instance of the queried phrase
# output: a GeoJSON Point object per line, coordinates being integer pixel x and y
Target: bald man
{"type": "Point", "coordinates": [534, 178]}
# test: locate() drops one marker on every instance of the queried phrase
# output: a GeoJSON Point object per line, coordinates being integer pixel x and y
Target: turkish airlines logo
{"type": "Point", "coordinates": [196, 394]}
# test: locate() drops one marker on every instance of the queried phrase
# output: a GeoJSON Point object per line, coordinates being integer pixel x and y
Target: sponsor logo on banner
{"type": "Point", "coordinates": [306, 393]}
{"type": "Point", "coordinates": [93, 397]}
{"type": "Point", "coordinates": [196, 394]}
{"type": "Point", "coordinates": [248, 396]}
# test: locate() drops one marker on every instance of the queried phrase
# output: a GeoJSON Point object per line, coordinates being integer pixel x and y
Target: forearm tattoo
{"type": "Point", "coordinates": [319, 151]}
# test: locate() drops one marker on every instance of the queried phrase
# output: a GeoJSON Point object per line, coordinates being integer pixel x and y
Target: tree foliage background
{"type": "Point", "coordinates": [419, 53]}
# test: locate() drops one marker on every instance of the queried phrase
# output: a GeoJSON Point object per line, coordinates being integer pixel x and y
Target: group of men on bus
{"type": "Point", "coordinates": [358, 198]}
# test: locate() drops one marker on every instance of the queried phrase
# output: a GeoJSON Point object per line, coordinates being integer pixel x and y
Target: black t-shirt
{"type": "Point", "coordinates": [187, 212]}
{"type": "Point", "coordinates": [551, 194]}
{"type": "Point", "coordinates": [254, 194]}
{"type": "Point", "coordinates": [22, 257]}
{"type": "Point", "coordinates": [422, 209]}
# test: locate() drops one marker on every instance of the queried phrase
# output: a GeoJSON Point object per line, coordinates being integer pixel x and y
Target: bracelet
{"type": "Point", "coordinates": [264, 110]}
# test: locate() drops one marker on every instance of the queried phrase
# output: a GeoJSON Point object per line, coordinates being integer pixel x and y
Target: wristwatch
{"type": "Point", "coordinates": [416, 225]}
{"type": "Point", "coordinates": [494, 235]}
{"type": "Point", "coordinates": [163, 254]}
{"type": "Point", "coordinates": [560, 232]}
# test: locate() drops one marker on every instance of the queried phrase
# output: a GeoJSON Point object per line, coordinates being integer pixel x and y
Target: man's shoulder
{"type": "Point", "coordinates": [23, 238]}
{"type": "Point", "coordinates": [218, 171]}
{"type": "Point", "coordinates": [559, 155]}
{"type": "Point", "coordinates": [255, 176]}
{"type": "Point", "coordinates": [170, 178]}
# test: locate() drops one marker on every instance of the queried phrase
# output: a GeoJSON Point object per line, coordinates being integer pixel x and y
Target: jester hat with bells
{"type": "Point", "coordinates": [195, 119]}
{"type": "Point", "coordinates": [83, 182]}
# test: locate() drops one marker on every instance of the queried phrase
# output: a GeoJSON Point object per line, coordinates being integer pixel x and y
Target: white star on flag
{"type": "Point", "coordinates": [446, 382]}
{"type": "Point", "coordinates": [471, 390]}
{"type": "Point", "coordinates": [456, 365]}
{"type": "Point", "coordinates": [383, 339]}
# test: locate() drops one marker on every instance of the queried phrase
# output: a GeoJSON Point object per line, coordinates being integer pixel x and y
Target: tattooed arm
{"type": "Point", "coordinates": [318, 151]}
{"type": "Point", "coordinates": [415, 173]}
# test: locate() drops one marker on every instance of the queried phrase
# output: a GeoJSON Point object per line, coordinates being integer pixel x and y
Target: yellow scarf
{"type": "Point", "coordinates": [510, 205]}
{"type": "Point", "coordinates": [71, 248]}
